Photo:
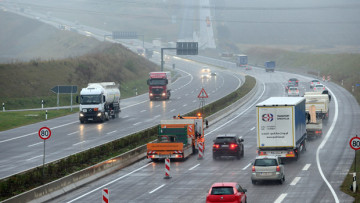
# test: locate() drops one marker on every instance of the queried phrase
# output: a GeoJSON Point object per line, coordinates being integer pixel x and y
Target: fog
{"type": "Point", "coordinates": [320, 24]}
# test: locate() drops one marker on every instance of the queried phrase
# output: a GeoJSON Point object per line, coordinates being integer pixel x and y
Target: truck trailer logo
{"type": "Point", "coordinates": [268, 117]}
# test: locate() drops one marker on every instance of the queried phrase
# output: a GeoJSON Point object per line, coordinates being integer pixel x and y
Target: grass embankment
{"type": "Point", "coordinates": [32, 81]}
{"type": "Point", "coordinates": [20, 183]}
{"type": "Point", "coordinates": [15, 119]}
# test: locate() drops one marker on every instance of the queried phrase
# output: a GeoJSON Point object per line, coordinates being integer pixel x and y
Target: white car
{"type": "Point", "coordinates": [319, 88]}
{"type": "Point", "coordinates": [206, 69]}
{"type": "Point", "coordinates": [313, 83]}
{"type": "Point", "coordinates": [293, 91]}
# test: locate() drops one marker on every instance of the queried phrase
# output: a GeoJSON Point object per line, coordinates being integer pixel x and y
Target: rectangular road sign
{"type": "Point", "coordinates": [62, 89]}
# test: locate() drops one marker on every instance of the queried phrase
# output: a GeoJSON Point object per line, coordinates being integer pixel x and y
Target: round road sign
{"type": "Point", "coordinates": [44, 133]}
{"type": "Point", "coordinates": [355, 143]}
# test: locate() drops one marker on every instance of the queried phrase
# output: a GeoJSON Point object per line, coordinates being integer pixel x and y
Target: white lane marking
{"type": "Point", "coordinates": [194, 167]}
{"type": "Point", "coordinates": [306, 167]}
{"type": "Point", "coordinates": [296, 180]}
{"type": "Point", "coordinates": [142, 111]}
{"type": "Point", "coordinates": [125, 116]}
{"type": "Point", "coordinates": [194, 100]}
{"type": "Point", "coordinates": [111, 132]}
{"type": "Point", "coordinates": [73, 133]}
{"type": "Point", "coordinates": [52, 128]}
{"type": "Point", "coordinates": [280, 198]}
{"type": "Point", "coordinates": [137, 123]}
{"type": "Point", "coordinates": [251, 106]}
{"type": "Point", "coordinates": [328, 134]}
{"type": "Point", "coordinates": [252, 128]}
{"type": "Point", "coordinates": [78, 143]}
{"type": "Point", "coordinates": [157, 105]}
{"type": "Point", "coordinates": [156, 116]}
{"type": "Point", "coordinates": [34, 157]}
{"type": "Point", "coordinates": [185, 105]}
{"type": "Point", "coordinates": [172, 110]}
{"type": "Point", "coordinates": [157, 188]}
{"type": "Point", "coordinates": [247, 166]}
{"type": "Point", "coordinates": [111, 182]}
{"type": "Point", "coordinates": [186, 94]}
{"type": "Point", "coordinates": [35, 144]}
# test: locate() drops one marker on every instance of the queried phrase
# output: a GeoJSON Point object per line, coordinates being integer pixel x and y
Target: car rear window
{"type": "Point", "coordinates": [265, 162]}
{"type": "Point", "coordinates": [225, 139]}
{"type": "Point", "coordinates": [293, 88]}
{"type": "Point", "coordinates": [222, 191]}
{"type": "Point", "coordinates": [319, 86]}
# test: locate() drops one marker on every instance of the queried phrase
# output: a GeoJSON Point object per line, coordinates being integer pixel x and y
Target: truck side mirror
{"type": "Point", "coordinates": [148, 82]}
{"type": "Point", "coordinates": [167, 81]}
{"type": "Point", "coordinates": [77, 99]}
{"type": "Point", "coordinates": [104, 99]}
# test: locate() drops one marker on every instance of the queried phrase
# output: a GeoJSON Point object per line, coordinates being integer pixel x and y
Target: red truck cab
{"type": "Point", "coordinates": [159, 85]}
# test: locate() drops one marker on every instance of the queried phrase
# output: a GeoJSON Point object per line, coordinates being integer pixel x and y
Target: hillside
{"type": "Point", "coordinates": [31, 74]}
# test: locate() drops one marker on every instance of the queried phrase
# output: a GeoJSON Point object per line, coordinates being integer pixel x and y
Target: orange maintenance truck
{"type": "Point", "coordinates": [178, 138]}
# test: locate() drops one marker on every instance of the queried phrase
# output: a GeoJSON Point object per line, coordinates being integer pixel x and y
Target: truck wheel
{"type": "Point", "coordinates": [253, 182]}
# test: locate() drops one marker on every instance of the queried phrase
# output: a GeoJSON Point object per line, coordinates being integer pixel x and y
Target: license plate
{"type": "Point", "coordinates": [225, 145]}
{"type": "Point", "coordinates": [90, 119]}
{"type": "Point", "coordinates": [266, 174]}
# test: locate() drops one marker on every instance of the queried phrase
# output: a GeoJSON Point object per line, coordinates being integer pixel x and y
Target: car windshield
{"type": "Point", "coordinates": [265, 162]}
{"type": "Point", "coordinates": [222, 191]}
{"type": "Point", "coordinates": [319, 86]}
{"type": "Point", "coordinates": [225, 139]}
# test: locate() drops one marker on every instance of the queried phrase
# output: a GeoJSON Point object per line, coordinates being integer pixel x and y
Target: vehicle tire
{"type": "Point", "coordinates": [214, 157]}
{"type": "Point", "coordinates": [242, 152]}
{"type": "Point", "coordinates": [238, 156]}
{"type": "Point", "coordinates": [281, 181]}
{"type": "Point", "coordinates": [253, 182]}
{"type": "Point", "coordinates": [297, 155]}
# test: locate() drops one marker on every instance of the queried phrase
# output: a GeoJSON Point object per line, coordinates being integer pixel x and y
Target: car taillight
{"type": "Point", "coordinates": [253, 169]}
{"type": "Point", "coordinates": [289, 81]}
{"type": "Point", "coordinates": [278, 168]}
{"type": "Point", "coordinates": [318, 132]}
{"type": "Point", "coordinates": [262, 153]}
{"type": "Point", "coordinates": [323, 88]}
{"type": "Point", "coordinates": [216, 146]}
{"type": "Point", "coordinates": [297, 81]}
{"type": "Point", "coordinates": [233, 146]}
{"type": "Point", "coordinates": [297, 91]}
{"type": "Point", "coordinates": [314, 88]}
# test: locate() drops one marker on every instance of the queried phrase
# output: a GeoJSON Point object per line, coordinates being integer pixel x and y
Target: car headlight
{"type": "Point", "coordinates": [151, 94]}
{"type": "Point", "coordinates": [81, 115]}
{"type": "Point", "coordinates": [99, 114]}
{"type": "Point", "coordinates": [163, 94]}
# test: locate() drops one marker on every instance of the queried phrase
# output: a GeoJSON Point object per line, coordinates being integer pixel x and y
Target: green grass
{"type": "Point", "coordinates": [11, 120]}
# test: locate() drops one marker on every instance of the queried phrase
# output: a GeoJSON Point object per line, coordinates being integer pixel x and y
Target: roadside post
{"type": "Point", "coordinates": [167, 168]}
{"type": "Point", "coordinates": [42, 104]}
{"type": "Point", "coordinates": [3, 107]}
{"type": "Point", "coordinates": [44, 134]}
{"type": "Point", "coordinates": [201, 150]}
{"type": "Point", "coordinates": [355, 145]}
{"type": "Point", "coordinates": [105, 195]}
{"type": "Point", "coordinates": [46, 115]}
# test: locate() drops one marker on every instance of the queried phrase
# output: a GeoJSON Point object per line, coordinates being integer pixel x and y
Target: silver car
{"type": "Point", "coordinates": [319, 88]}
{"type": "Point", "coordinates": [293, 91]}
{"type": "Point", "coordinates": [267, 168]}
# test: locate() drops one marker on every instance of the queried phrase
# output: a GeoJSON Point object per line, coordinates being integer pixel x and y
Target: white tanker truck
{"type": "Point", "coordinates": [99, 102]}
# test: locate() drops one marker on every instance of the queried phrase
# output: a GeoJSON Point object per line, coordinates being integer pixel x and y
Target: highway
{"type": "Point", "coordinates": [23, 149]}
{"type": "Point", "coordinates": [315, 177]}
{"type": "Point", "coordinates": [326, 160]}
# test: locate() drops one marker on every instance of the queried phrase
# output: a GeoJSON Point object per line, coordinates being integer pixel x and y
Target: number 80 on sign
{"type": "Point", "coordinates": [355, 143]}
{"type": "Point", "coordinates": [44, 133]}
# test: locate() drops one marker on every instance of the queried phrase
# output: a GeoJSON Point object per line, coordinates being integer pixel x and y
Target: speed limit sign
{"type": "Point", "coordinates": [44, 133]}
{"type": "Point", "coordinates": [355, 143]}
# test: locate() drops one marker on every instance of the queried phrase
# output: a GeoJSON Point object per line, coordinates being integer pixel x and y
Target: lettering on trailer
{"type": "Point", "coordinates": [203, 94]}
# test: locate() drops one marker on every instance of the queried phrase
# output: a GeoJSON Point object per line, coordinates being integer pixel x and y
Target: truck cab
{"type": "Point", "coordinates": [159, 85]}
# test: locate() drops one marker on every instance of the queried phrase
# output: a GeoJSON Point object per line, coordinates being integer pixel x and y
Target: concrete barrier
{"type": "Point", "coordinates": [72, 181]}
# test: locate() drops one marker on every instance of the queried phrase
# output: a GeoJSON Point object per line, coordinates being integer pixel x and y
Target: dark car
{"type": "Point", "coordinates": [294, 82]}
{"type": "Point", "coordinates": [228, 145]}
{"type": "Point", "coordinates": [226, 192]}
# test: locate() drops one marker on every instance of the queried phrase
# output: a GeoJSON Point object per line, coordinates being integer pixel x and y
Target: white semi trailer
{"type": "Point", "coordinates": [99, 102]}
{"type": "Point", "coordinates": [281, 126]}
